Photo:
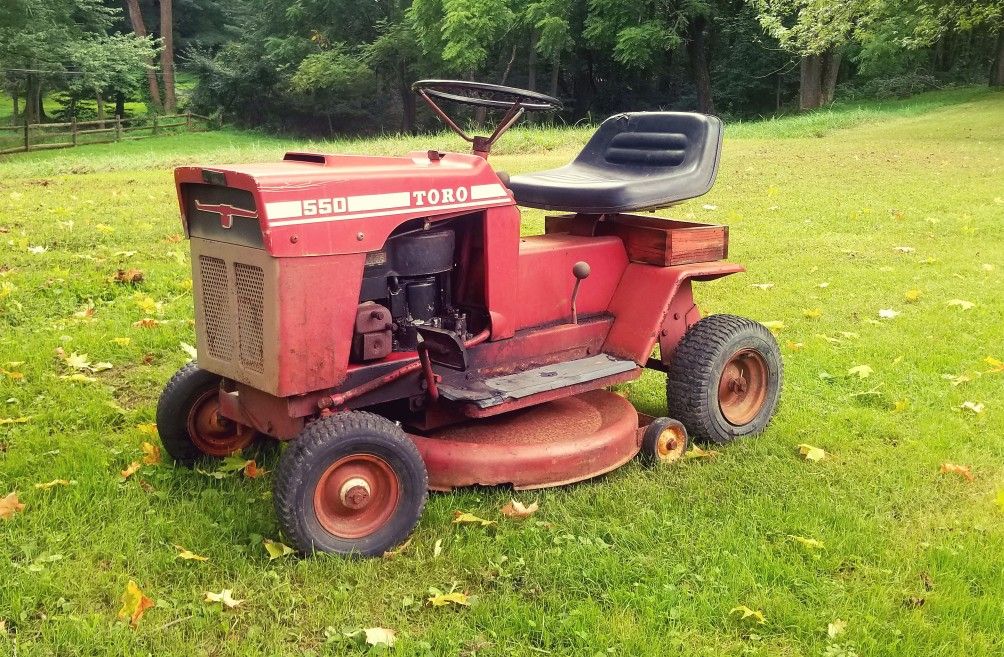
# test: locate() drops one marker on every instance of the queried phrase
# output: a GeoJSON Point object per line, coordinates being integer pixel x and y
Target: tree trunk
{"type": "Point", "coordinates": [555, 76]}
{"type": "Point", "coordinates": [810, 93]}
{"type": "Point", "coordinates": [13, 116]}
{"type": "Point", "coordinates": [407, 101]}
{"type": "Point", "coordinates": [31, 99]}
{"type": "Point", "coordinates": [167, 54]}
{"type": "Point", "coordinates": [997, 73]}
{"type": "Point", "coordinates": [119, 104]}
{"type": "Point", "coordinates": [136, 18]}
{"type": "Point", "coordinates": [697, 53]}
{"type": "Point", "coordinates": [831, 67]}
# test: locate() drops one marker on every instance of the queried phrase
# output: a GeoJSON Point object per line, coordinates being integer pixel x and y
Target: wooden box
{"type": "Point", "coordinates": [651, 240]}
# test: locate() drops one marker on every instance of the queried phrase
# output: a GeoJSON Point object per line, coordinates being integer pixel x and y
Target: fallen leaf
{"type": "Point", "coordinates": [149, 428]}
{"type": "Point", "coordinates": [128, 276]}
{"type": "Point", "coordinates": [146, 322]}
{"type": "Point", "coordinates": [774, 325]}
{"type": "Point", "coordinates": [52, 484]}
{"type": "Point", "coordinates": [453, 597]}
{"type": "Point", "coordinates": [134, 604]}
{"type": "Point", "coordinates": [131, 470]}
{"type": "Point", "coordinates": [708, 206]}
{"type": "Point", "coordinates": [835, 628]}
{"type": "Point", "coordinates": [996, 366]}
{"type": "Point", "coordinates": [900, 405]}
{"type": "Point", "coordinates": [391, 554]}
{"type": "Point", "coordinates": [277, 550]}
{"type": "Point", "coordinates": [380, 636]}
{"type": "Point", "coordinates": [14, 420]}
{"type": "Point", "coordinates": [823, 285]}
{"type": "Point", "coordinates": [151, 453]}
{"type": "Point", "coordinates": [961, 470]}
{"type": "Point", "coordinates": [9, 505]}
{"type": "Point", "coordinates": [794, 346]}
{"type": "Point", "coordinates": [975, 407]}
{"type": "Point", "coordinates": [252, 471]}
{"type": "Point", "coordinates": [122, 342]}
{"type": "Point", "coordinates": [810, 453]}
{"type": "Point", "coordinates": [888, 313]}
{"type": "Point", "coordinates": [812, 313]}
{"type": "Point", "coordinates": [190, 350]}
{"type": "Point", "coordinates": [861, 371]}
{"type": "Point", "coordinates": [225, 596]}
{"type": "Point", "coordinates": [809, 543]}
{"type": "Point", "coordinates": [696, 452]}
{"type": "Point", "coordinates": [464, 518]}
{"type": "Point", "coordinates": [912, 296]}
{"type": "Point", "coordinates": [746, 612]}
{"type": "Point", "coordinates": [516, 509]}
{"type": "Point", "coordinates": [999, 500]}
{"type": "Point", "coordinates": [961, 303]}
{"type": "Point", "coordinates": [957, 380]}
{"type": "Point", "coordinates": [913, 602]}
{"type": "Point", "coordinates": [926, 580]}
{"type": "Point", "coordinates": [78, 361]}
{"type": "Point", "coordinates": [437, 549]}
{"type": "Point", "coordinates": [188, 555]}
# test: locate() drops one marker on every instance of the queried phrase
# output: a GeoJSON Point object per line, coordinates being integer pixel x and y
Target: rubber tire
{"type": "Point", "coordinates": [322, 443]}
{"type": "Point", "coordinates": [175, 402]}
{"type": "Point", "coordinates": [696, 368]}
{"type": "Point", "coordinates": [649, 453]}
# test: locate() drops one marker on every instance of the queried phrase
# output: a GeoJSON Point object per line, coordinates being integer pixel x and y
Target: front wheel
{"type": "Point", "coordinates": [351, 484]}
{"type": "Point", "coordinates": [724, 379]}
{"type": "Point", "coordinates": [189, 421]}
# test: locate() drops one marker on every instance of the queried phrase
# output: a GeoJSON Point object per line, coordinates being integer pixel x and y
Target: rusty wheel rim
{"type": "Point", "coordinates": [212, 433]}
{"type": "Point", "coordinates": [742, 388]}
{"type": "Point", "coordinates": [671, 444]}
{"type": "Point", "coordinates": [356, 495]}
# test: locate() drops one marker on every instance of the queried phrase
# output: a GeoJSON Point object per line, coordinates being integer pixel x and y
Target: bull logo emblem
{"type": "Point", "coordinates": [226, 212]}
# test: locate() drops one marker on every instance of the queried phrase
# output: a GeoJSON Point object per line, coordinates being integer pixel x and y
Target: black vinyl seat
{"type": "Point", "coordinates": [636, 161]}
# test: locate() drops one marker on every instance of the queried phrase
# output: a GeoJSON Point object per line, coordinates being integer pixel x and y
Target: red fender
{"type": "Point", "coordinates": [656, 303]}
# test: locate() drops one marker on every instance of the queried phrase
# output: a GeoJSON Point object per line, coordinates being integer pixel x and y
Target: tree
{"type": "Point", "coordinates": [167, 55]}
{"type": "Point", "coordinates": [139, 29]}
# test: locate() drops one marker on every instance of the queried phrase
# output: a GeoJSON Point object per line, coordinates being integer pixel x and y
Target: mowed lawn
{"type": "Point", "coordinates": [872, 238]}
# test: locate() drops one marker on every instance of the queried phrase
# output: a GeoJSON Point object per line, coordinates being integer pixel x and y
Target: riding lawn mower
{"type": "Point", "coordinates": [384, 316]}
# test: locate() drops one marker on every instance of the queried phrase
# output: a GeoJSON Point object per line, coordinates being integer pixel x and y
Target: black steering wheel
{"type": "Point", "coordinates": [482, 94]}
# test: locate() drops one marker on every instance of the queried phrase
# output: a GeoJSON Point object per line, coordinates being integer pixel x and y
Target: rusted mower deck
{"type": "Point", "coordinates": [560, 442]}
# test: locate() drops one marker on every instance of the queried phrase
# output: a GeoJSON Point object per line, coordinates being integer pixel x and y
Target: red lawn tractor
{"type": "Point", "coordinates": [384, 315]}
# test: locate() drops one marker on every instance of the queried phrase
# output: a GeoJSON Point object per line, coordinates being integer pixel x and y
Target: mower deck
{"type": "Point", "coordinates": [551, 444]}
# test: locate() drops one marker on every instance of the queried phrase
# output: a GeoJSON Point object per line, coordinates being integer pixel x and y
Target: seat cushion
{"type": "Point", "coordinates": [638, 161]}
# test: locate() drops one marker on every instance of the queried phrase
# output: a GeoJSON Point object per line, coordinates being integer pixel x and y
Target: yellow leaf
{"type": "Point", "coordinates": [78, 361]}
{"type": "Point", "coordinates": [151, 453]}
{"type": "Point", "coordinates": [122, 342]}
{"type": "Point", "coordinates": [131, 470]}
{"type": "Point", "coordinates": [961, 470]}
{"type": "Point", "coordinates": [390, 554]}
{"type": "Point", "coordinates": [900, 405]}
{"type": "Point", "coordinates": [148, 428]}
{"type": "Point", "coordinates": [12, 375]}
{"type": "Point", "coordinates": [146, 322]}
{"type": "Point", "coordinates": [276, 549]}
{"type": "Point", "coordinates": [794, 346]}
{"type": "Point", "coordinates": [52, 484]}
{"type": "Point", "coordinates": [835, 628]}
{"type": "Point", "coordinates": [134, 604]}
{"type": "Point", "coordinates": [516, 509]}
{"type": "Point", "coordinates": [9, 505]}
{"type": "Point", "coordinates": [14, 420]}
{"type": "Point", "coordinates": [377, 636]}
{"type": "Point", "coordinates": [225, 596]}
{"type": "Point", "coordinates": [812, 313]}
{"type": "Point", "coordinates": [810, 453]}
{"type": "Point", "coordinates": [912, 296]}
{"type": "Point", "coordinates": [975, 407]}
{"type": "Point", "coordinates": [861, 371]}
{"type": "Point", "coordinates": [696, 452]}
{"type": "Point", "coordinates": [464, 518]}
{"type": "Point", "coordinates": [453, 597]}
{"type": "Point", "coordinates": [252, 471]}
{"type": "Point", "coordinates": [437, 549]}
{"type": "Point", "coordinates": [957, 380]}
{"type": "Point", "coordinates": [774, 325]}
{"type": "Point", "coordinates": [188, 555]}
{"type": "Point", "coordinates": [999, 500]}
{"type": "Point", "coordinates": [746, 612]}
{"type": "Point", "coordinates": [809, 543]}
{"type": "Point", "coordinates": [961, 303]}
{"type": "Point", "coordinates": [996, 366]}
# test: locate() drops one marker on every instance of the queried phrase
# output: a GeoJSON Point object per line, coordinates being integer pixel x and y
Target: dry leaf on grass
{"type": "Point", "coordinates": [276, 549]}
{"type": "Point", "coordinates": [812, 313]}
{"type": "Point", "coordinates": [888, 313]}
{"type": "Point", "coordinates": [464, 518]}
{"type": "Point", "coordinates": [9, 505]}
{"type": "Point", "coordinates": [975, 407]}
{"type": "Point", "coordinates": [835, 628]}
{"type": "Point", "coordinates": [516, 509]}
{"type": "Point", "coordinates": [398, 551]}
{"type": "Point", "coordinates": [131, 470]}
{"type": "Point", "coordinates": [996, 366]}
{"type": "Point", "coordinates": [128, 276]}
{"type": "Point", "coordinates": [380, 636]}
{"type": "Point", "coordinates": [810, 453]}
{"type": "Point", "coordinates": [962, 303]}
{"type": "Point", "coordinates": [151, 453]}
{"type": "Point", "coordinates": [809, 543]}
{"type": "Point", "coordinates": [134, 604]}
{"type": "Point", "coordinates": [696, 452]}
{"type": "Point", "coordinates": [225, 597]}
{"type": "Point", "coordinates": [438, 599]}
{"type": "Point", "coordinates": [774, 325]}
{"type": "Point", "coordinates": [188, 555]}
{"type": "Point", "coordinates": [961, 470]}
{"type": "Point", "coordinates": [55, 482]}
{"type": "Point", "coordinates": [746, 612]}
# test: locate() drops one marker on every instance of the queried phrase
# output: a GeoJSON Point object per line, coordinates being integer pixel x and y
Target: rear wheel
{"type": "Point", "coordinates": [724, 379]}
{"type": "Point", "coordinates": [189, 421]}
{"type": "Point", "coordinates": [351, 484]}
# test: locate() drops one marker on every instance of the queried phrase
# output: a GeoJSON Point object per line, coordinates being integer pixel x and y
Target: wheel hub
{"type": "Point", "coordinates": [356, 495]}
{"type": "Point", "coordinates": [742, 389]}
{"type": "Point", "coordinates": [212, 433]}
{"type": "Point", "coordinates": [671, 444]}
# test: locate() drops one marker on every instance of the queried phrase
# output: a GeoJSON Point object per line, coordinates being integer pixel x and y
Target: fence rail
{"type": "Point", "coordinates": [44, 136]}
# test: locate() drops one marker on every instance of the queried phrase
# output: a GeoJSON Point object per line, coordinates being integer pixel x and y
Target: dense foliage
{"type": "Point", "coordinates": [344, 66]}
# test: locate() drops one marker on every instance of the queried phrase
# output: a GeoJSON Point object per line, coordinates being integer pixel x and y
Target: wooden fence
{"type": "Point", "coordinates": [40, 136]}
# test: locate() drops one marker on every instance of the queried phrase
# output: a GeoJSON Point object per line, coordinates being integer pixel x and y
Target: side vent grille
{"type": "Point", "coordinates": [219, 332]}
{"type": "Point", "coordinates": [250, 282]}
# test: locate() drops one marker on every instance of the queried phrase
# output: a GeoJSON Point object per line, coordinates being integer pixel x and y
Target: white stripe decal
{"type": "Point", "coordinates": [492, 190]}
{"type": "Point", "coordinates": [363, 215]}
{"type": "Point", "coordinates": [284, 209]}
{"type": "Point", "coordinates": [379, 201]}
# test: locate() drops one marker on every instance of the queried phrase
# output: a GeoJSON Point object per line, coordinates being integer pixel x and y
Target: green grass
{"type": "Point", "coordinates": [639, 562]}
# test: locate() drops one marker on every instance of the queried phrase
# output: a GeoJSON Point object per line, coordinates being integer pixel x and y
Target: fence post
{"type": "Point", "coordinates": [188, 120]}
{"type": "Point", "coordinates": [118, 128]}
{"type": "Point", "coordinates": [73, 130]}
{"type": "Point", "coordinates": [156, 130]}
{"type": "Point", "coordinates": [27, 139]}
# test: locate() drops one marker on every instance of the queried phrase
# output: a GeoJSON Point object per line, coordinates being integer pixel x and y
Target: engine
{"type": "Point", "coordinates": [406, 287]}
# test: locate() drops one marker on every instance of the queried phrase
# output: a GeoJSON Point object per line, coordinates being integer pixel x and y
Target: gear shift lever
{"type": "Point", "coordinates": [580, 271]}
